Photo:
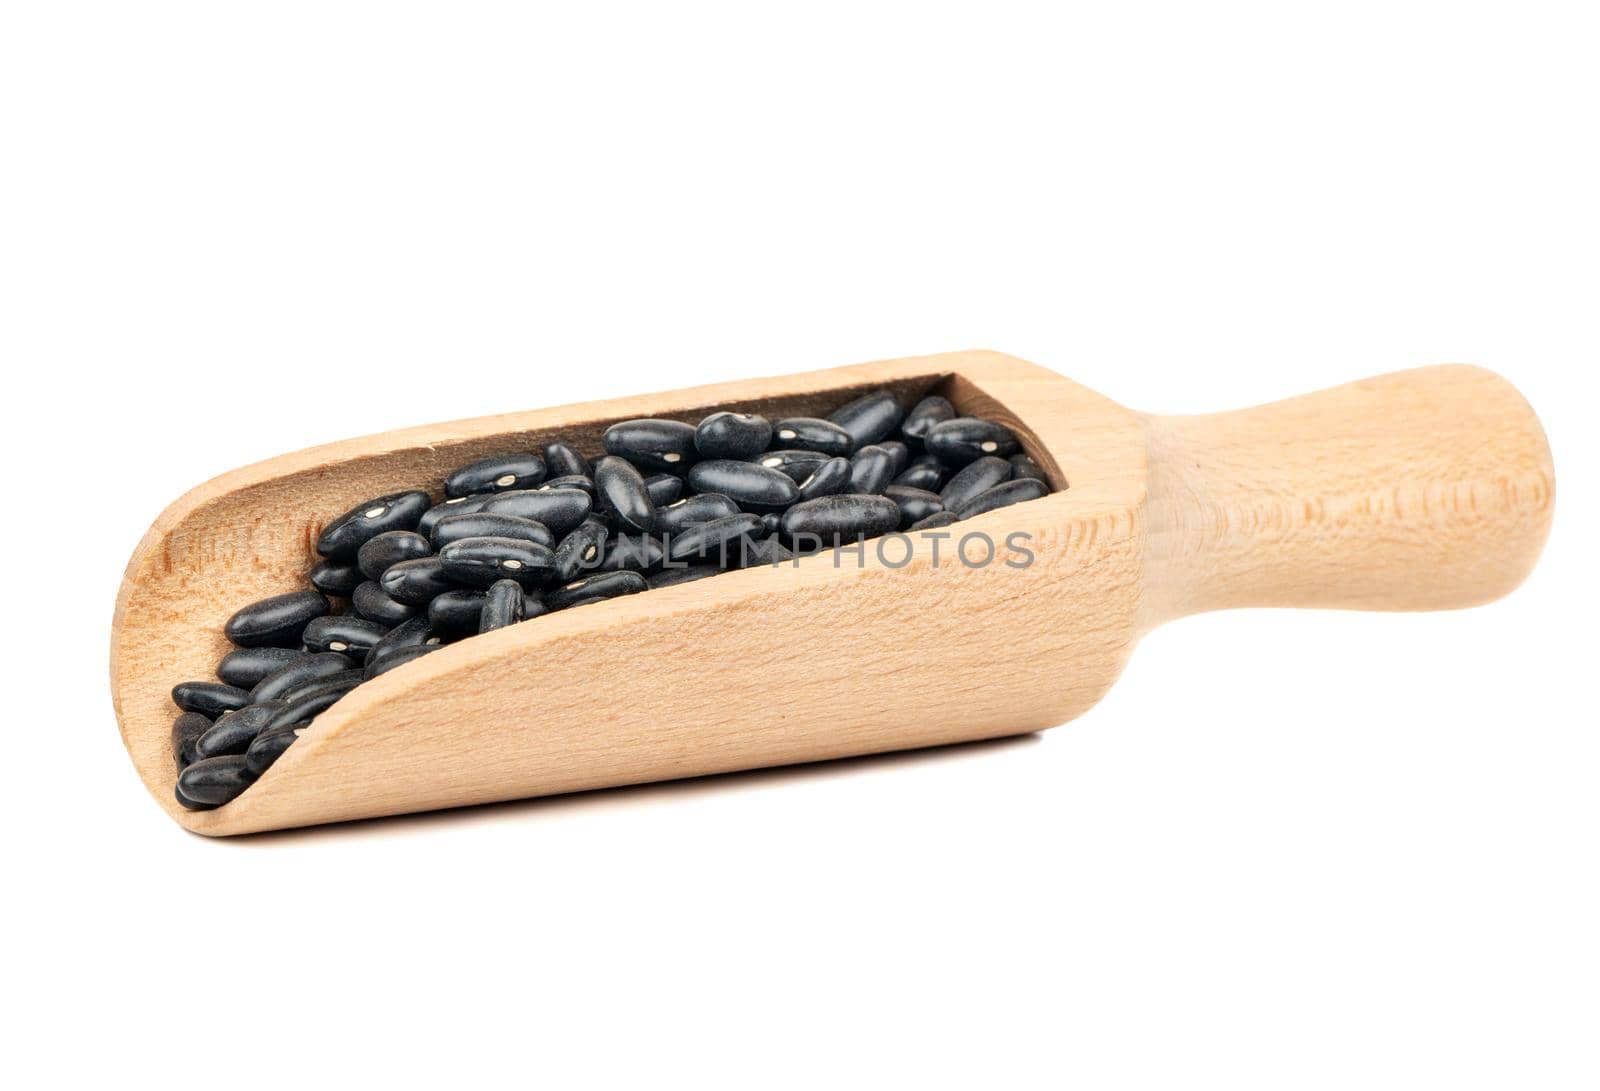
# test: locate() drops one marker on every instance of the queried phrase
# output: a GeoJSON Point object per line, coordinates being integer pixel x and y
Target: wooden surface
{"type": "Point", "coordinates": [1430, 488]}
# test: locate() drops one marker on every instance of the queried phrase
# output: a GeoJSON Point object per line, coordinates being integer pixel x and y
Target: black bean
{"type": "Point", "coordinates": [502, 606]}
{"type": "Point", "coordinates": [583, 549]}
{"type": "Point", "coordinates": [373, 603]}
{"type": "Point", "coordinates": [391, 547]}
{"type": "Point", "coordinates": [793, 463]}
{"type": "Point", "coordinates": [1003, 495]}
{"type": "Point", "coordinates": [768, 551]}
{"type": "Point", "coordinates": [277, 621]}
{"type": "Point", "coordinates": [343, 682]}
{"type": "Point", "coordinates": [411, 633]}
{"type": "Point", "coordinates": [563, 461]}
{"type": "Point", "coordinates": [700, 508]}
{"type": "Point", "coordinates": [935, 521]}
{"type": "Point", "coordinates": [316, 700]}
{"type": "Point", "coordinates": [623, 496]}
{"type": "Point", "coordinates": [398, 658]}
{"type": "Point", "coordinates": [663, 489]}
{"type": "Point", "coordinates": [396, 511]}
{"type": "Point", "coordinates": [186, 731]}
{"type": "Point", "coordinates": [575, 481]}
{"type": "Point", "coordinates": [717, 541]}
{"type": "Point", "coordinates": [415, 582]}
{"type": "Point", "coordinates": [456, 611]}
{"type": "Point", "coordinates": [247, 666]}
{"type": "Point", "coordinates": [842, 518]}
{"type": "Point", "coordinates": [269, 746]}
{"type": "Point", "coordinates": [899, 453]}
{"type": "Point", "coordinates": [869, 418]}
{"type": "Point", "coordinates": [558, 509]}
{"type": "Point", "coordinates": [924, 415]}
{"type": "Point", "coordinates": [915, 504]}
{"type": "Point", "coordinates": [482, 524]}
{"type": "Point", "coordinates": [661, 446]}
{"type": "Point", "coordinates": [751, 485]}
{"type": "Point", "coordinates": [344, 634]}
{"type": "Point", "coordinates": [336, 578]}
{"type": "Point", "coordinates": [963, 439]}
{"type": "Point", "coordinates": [533, 607]}
{"type": "Point", "coordinates": [770, 524]}
{"type": "Point", "coordinates": [633, 553]}
{"type": "Point", "coordinates": [307, 669]}
{"type": "Point", "coordinates": [479, 562]}
{"type": "Point", "coordinates": [975, 477]}
{"type": "Point", "coordinates": [606, 585]}
{"type": "Point", "coordinates": [739, 436]}
{"type": "Point", "coordinates": [669, 577]}
{"type": "Point", "coordinates": [812, 434]}
{"type": "Point", "coordinates": [830, 477]}
{"type": "Point", "coordinates": [233, 733]}
{"type": "Point", "coordinates": [925, 472]}
{"type": "Point", "coordinates": [213, 781]}
{"type": "Point", "coordinates": [456, 505]}
{"type": "Point", "coordinates": [496, 475]}
{"type": "Point", "coordinates": [209, 698]}
{"type": "Point", "coordinates": [1024, 468]}
{"type": "Point", "coordinates": [871, 470]}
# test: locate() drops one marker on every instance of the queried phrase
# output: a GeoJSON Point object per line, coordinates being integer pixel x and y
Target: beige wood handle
{"type": "Point", "coordinates": [1421, 490]}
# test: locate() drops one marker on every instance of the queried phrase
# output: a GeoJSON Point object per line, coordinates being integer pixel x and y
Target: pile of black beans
{"type": "Point", "coordinates": [529, 533]}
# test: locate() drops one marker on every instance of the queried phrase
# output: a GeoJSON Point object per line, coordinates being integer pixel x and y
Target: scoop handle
{"type": "Point", "coordinates": [1420, 490]}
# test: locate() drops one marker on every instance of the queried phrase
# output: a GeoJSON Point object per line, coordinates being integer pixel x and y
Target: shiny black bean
{"type": "Point", "coordinates": [915, 504]}
{"type": "Point", "coordinates": [391, 547]}
{"type": "Point", "coordinates": [456, 505]}
{"type": "Point", "coordinates": [247, 666]}
{"type": "Point", "coordinates": [269, 746]}
{"type": "Point", "coordinates": [1024, 468]}
{"type": "Point", "coordinates": [533, 606]}
{"type": "Point", "coordinates": [558, 509]}
{"type": "Point", "coordinates": [663, 489]}
{"type": "Point", "coordinates": [606, 585]}
{"type": "Point", "coordinates": [660, 446]}
{"type": "Point", "coordinates": [812, 434]}
{"type": "Point", "coordinates": [397, 511]}
{"type": "Point", "coordinates": [209, 698]}
{"type": "Point", "coordinates": [233, 733]}
{"type": "Point", "coordinates": [700, 508]}
{"type": "Point", "coordinates": [925, 472]}
{"type": "Point", "coordinates": [973, 478]}
{"type": "Point", "coordinates": [344, 634]}
{"type": "Point", "coordinates": [373, 603]}
{"type": "Point", "coordinates": [496, 474]}
{"type": "Point", "coordinates": [562, 461]}
{"type": "Point", "coordinates": [795, 464]}
{"type": "Point", "coordinates": [336, 578]}
{"type": "Point", "coordinates": [311, 668]}
{"type": "Point", "coordinates": [899, 453]}
{"type": "Point", "coordinates": [669, 577]}
{"type": "Point", "coordinates": [502, 606]}
{"type": "Point", "coordinates": [277, 621]}
{"type": "Point", "coordinates": [398, 658]}
{"type": "Point", "coordinates": [751, 485]}
{"type": "Point", "coordinates": [842, 518]}
{"type": "Point", "coordinates": [767, 551]}
{"type": "Point", "coordinates": [830, 477]}
{"type": "Point", "coordinates": [622, 494]}
{"type": "Point", "coordinates": [717, 542]}
{"type": "Point", "coordinates": [213, 781]}
{"type": "Point", "coordinates": [581, 550]}
{"type": "Point", "coordinates": [479, 562]}
{"type": "Point", "coordinates": [771, 522]}
{"type": "Point", "coordinates": [869, 418]}
{"type": "Point", "coordinates": [871, 470]}
{"type": "Point", "coordinates": [1003, 495]}
{"type": "Point", "coordinates": [935, 521]}
{"type": "Point", "coordinates": [574, 481]}
{"type": "Point", "coordinates": [924, 415]}
{"type": "Point", "coordinates": [482, 524]}
{"type": "Point", "coordinates": [739, 436]}
{"type": "Point", "coordinates": [186, 731]}
{"type": "Point", "coordinates": [633, 553]}
{"type": "Point", "coordinates": [963, 439]}
{"type": "Point", "coordinates": [409, 634]}
{"type": "Point", "coordinates": [316, 701]}
{"type": "Point", "coordinates": [343, 682]}
{"type": "Point", "coordinates": [456, 611]}
{"type": "Point", "coordinates": [415, 582]}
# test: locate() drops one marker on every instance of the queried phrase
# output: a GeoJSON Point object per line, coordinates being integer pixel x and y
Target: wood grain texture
{"type": "Point", "coordinates": [1310, 502]}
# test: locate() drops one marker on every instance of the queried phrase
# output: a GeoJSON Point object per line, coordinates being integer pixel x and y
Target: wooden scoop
{"type": "Point", "coordinates": [1426, 489]}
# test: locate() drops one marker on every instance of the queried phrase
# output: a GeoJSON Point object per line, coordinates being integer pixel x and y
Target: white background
{"type": "Point", "coordinates": [1289, 849]}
